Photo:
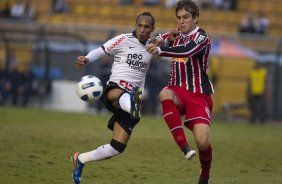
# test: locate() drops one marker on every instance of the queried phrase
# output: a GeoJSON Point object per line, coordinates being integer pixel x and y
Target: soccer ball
{"type": "Point", "coordinates": [89, 88]}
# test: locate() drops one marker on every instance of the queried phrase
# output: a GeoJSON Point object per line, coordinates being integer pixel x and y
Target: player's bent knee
{"type": "Point", "coordinates": [202, 144]}
{"type": "Point", "coordinates": [165, 94]}
{"type": "Point", "coordinates": [120, 147]}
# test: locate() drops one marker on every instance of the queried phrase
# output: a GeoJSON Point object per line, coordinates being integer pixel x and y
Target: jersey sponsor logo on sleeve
{"type": "Point", "coordinates": [115, 43]}
{"type": "Point", "coordinates": [200, 39]}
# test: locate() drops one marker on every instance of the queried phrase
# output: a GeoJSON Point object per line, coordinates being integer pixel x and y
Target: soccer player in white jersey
{"type": "Point", "coordinates": [123, 92]}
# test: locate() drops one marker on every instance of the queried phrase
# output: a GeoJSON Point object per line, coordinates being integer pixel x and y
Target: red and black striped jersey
{"type": "Point", "coordinates": [189, 61]}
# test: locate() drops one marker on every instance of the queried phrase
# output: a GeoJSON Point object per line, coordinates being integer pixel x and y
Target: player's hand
{"type": "Point", "coordinates": [173, 35]}
{"type": "Point", "coordinates": [81, 61]}
{"type": "Point", "coordinates": [156, 41]}
{"type": "Point", "coordinates": [152, 48]}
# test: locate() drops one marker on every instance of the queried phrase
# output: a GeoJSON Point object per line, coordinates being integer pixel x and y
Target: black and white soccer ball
{"type": "Point", "coordinates": [89, 88]}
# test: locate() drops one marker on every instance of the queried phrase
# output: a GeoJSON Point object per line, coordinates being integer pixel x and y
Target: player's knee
{"type": "Point", "coordinates": [165, 94]}
{"type": "Point", "coordinates": [202, 144]}
{"type": "Point", "coordinates": [120, 147]}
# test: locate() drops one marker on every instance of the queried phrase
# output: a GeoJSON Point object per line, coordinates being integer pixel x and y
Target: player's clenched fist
{"type": "Point", "coordinates": [81, 61]}
{"type": "Point", "coordinates": [152, 48]}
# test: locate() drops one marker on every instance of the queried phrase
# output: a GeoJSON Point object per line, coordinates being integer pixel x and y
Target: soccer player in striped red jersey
{"type": "Point", "coordinates": [189, 89]}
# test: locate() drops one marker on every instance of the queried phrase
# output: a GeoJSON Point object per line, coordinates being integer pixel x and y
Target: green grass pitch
{"type": "Point", "coordinates": [36, 145]}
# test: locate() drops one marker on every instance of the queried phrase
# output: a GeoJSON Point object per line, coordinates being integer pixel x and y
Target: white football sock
{"type": "Point", "coordinates": [124, 102]}
{"type": "Point", "coordinates": [101, 153]}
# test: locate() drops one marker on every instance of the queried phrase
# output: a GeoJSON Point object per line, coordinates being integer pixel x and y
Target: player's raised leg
{"type": "Point", "coordinates": [174, 122]}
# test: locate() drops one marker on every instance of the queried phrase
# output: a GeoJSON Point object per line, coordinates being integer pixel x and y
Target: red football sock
{"type": "Point", "coordinates": [205, 160]}
{"type": "Point", "coordinates": [173, 121]}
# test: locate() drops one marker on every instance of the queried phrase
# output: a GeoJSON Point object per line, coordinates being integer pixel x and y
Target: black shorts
{"type": "Point", "coordinates": [121, 117]}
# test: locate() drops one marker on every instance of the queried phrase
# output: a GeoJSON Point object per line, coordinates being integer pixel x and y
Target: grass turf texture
{"type": "Point", "coordinates": [36, 146]}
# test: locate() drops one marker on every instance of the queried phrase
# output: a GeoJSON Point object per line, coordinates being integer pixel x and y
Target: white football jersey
{"type": "Point", "coordinates": [131, 60]}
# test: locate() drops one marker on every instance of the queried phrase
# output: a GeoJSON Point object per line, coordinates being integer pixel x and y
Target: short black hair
{"type": "Point", "coordinates": [147, 14]}
{"type": "Point", "coordinates": [189, 6]}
